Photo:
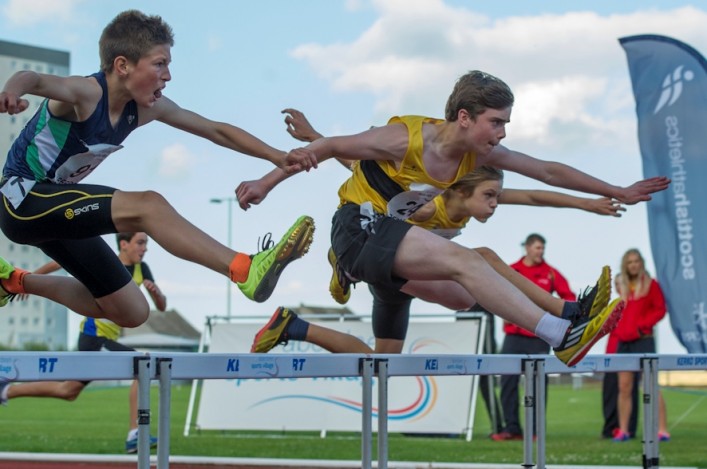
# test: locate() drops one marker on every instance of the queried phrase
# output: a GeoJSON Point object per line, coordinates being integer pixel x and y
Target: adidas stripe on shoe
{"type": "Point", "coordinates": [585, 332]}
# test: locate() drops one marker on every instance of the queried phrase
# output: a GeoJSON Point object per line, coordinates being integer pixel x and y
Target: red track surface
{"type": "Point", "coordinates": [98, 465]}
{"type": "Point", "coordinates": [65, 461]}
{"type": "Point", "coordinates": [8, 464]}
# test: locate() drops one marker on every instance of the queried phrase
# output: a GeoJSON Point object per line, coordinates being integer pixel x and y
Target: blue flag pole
{"type": "Point", "coordinates": [669, 81]}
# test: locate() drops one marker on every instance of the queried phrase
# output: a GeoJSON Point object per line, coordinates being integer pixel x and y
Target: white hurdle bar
{"type": "Point", "coordinates": [260, 366]}
{"type": "Point", "coordinates": [87, 366]}
{"type": "Point", "coordinates": [164, 367]}
{"type": "Point", "coordinates": [535, 368]}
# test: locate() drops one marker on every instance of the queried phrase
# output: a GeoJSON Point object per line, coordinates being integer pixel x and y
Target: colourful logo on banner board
{"type": "Point", "coordinates": [420, 405]}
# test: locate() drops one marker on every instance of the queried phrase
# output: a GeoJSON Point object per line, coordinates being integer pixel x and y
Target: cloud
{"type": "Point", "coordinates": [567, 70]}
{"type": "Point", "coordinates": [27, 12]}
{"type": "Point", "coordinates": [214, 43]}
{"type": "Point", "coordinates": [175, 162]}
{"type": "Point", "coordinates": [354, 5]}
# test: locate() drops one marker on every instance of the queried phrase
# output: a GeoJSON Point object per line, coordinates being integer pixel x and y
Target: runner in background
{"type": "Point", "coordinates": [99, 333]}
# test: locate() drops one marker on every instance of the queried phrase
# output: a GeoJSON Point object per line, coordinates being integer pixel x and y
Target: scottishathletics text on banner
{"type": "Point", "coordinates": [669, 81]}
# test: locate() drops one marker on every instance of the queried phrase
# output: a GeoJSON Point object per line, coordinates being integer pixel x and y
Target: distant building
{"type": "Point", "coordinates": [164, 332]}
{"type": "Point", "coordinates": [35, 320]}
{"type": "Point", "coordinates": [328, 312]}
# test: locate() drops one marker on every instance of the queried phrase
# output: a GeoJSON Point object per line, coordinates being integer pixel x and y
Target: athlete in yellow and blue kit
{"type": "Point", "coordinates": [99, 333]}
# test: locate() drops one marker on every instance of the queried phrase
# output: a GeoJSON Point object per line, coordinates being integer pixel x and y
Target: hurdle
{"type": "Point", "coordinates": [165, 367]}
{"type": "Point", "coordinates": [87, 366]}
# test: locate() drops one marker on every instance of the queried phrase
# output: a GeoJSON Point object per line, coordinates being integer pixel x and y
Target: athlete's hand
{"type": "Point", "coordinates": [299, 159]}
{"type": "Point", "coordinates": [10, 103]}
{"type": "Point", "coordinates": [151, 287]}
{"type": "Point", "coordinates": [299, 127]}
{"type": "Point", "coordinates": [640, 191]}
{"type": "Point", "coordinates": [156, 294]}
{"type": "Point", "coordinates": [251, 192]}
{"type": "Point", "coordinates": [605, 206]}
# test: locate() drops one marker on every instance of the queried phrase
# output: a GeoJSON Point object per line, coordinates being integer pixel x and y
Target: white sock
{"type": "Point", "coordinates": [552, 329]}
{"type": "Point", "coordinates": [3, 394]}
{"type": "Point", "coordinates": [132, 434]}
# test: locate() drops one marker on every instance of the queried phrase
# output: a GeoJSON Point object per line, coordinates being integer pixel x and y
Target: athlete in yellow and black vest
{"type": "Point", "coordinates": [402, 165]}
{"type": "Point", "coordinates": [377, 199]}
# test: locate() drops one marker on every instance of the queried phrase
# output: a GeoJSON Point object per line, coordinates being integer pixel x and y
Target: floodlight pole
{"type": "Point", "coordinates": [229, 205]}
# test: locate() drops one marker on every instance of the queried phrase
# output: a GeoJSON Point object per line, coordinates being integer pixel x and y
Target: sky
{"type": "Point", "coordinates": [350, 64]}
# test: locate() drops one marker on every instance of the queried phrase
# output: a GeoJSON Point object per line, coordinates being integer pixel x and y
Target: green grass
{"type": "Point", "coordinates": [97, 423]}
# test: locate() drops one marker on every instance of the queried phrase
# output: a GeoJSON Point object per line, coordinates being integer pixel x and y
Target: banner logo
{"type": "Point", "coordinates": [672, 87]}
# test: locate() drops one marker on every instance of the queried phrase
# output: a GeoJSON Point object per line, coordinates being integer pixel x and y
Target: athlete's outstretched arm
{"type": "Point", "coordinates": [299, 127]}
{"type": "Point", "coordinates": [601, 206]}
{"type": "Point", "coordinates": [253, 192]}
{"type": "Point", "coordinates": [561, 175]}
{"type": "Point", "coordinates": [389, 142]}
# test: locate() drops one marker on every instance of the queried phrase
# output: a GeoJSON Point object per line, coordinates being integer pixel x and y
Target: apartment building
{"type": "Point", "coordinates": [35, 320]}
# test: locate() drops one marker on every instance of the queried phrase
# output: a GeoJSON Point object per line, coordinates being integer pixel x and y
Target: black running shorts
{"type": "Point", "coordinates": [368, 254]}
{"type": "Point", "coordinates": [66, 222]}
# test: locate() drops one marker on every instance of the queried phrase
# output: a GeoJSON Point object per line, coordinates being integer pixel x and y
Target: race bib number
{"type": "Point", "coordinates": [81, 165]}
{"type": "Point", "coordinates": [405, 204]}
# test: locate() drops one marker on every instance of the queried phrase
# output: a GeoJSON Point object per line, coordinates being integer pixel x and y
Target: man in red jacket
{"type": "Point", "coordinates": [521, 341]}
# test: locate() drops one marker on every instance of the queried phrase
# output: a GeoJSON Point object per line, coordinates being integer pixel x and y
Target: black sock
{"type": "Point", "coordinates": [570, 310]}
{"type": "Point", "coordinates": [297, 329]}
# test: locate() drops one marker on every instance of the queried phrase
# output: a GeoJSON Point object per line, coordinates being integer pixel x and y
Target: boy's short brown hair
{"type": "Point", "coordinates": [533, 238]}
{"type": "Point", "coordinates": [126, 236]}
{"type": "Point", "coordinates": [475, 92]}
{"type": "Point", "coordinates": [132, 34]}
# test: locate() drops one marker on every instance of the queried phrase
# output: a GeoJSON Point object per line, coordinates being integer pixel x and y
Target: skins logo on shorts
{"type": "Point", "coordinates": [70, 213]}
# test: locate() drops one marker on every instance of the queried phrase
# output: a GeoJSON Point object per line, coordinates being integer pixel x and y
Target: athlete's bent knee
{"type": "Point", "coordinates": [133, 320]}
{"type": "Point", "coordinates": [71, 390]}
{"type": "Point", "coordinates": [131, 209]}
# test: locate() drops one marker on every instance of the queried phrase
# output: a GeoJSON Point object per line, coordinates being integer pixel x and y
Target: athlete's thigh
{"type": "Point", "coordinates": [91, 261]}
{"type": "Point", "coordinates": [422, 255]}
{"type": "Point", "coordinates": [447, 293]}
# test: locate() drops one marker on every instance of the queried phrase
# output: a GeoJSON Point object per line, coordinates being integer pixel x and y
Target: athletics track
{"type": "Point", "coordinates": [85, 461]}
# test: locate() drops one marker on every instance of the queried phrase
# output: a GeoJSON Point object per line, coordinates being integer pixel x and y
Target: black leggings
{"type": "Point", "coordinates": [391, 313]}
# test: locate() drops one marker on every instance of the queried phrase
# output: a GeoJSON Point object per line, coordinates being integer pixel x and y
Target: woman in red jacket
{"type": "Point", "coordinates": [645, 306]}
